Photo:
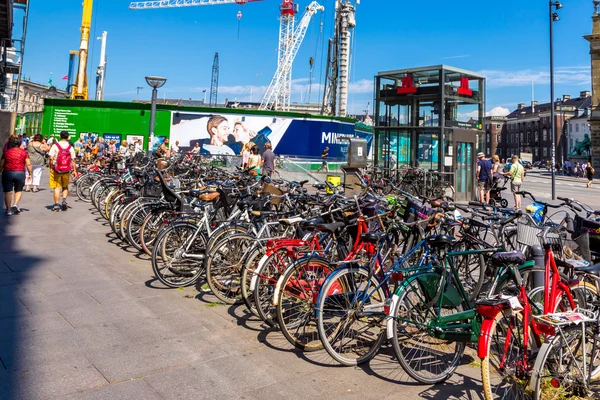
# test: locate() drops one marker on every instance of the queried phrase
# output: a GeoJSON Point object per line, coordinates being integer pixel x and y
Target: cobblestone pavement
{"type": "Point", "coordinates": [82, 318]}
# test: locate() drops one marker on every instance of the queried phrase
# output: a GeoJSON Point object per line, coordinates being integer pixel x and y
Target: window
{"type": "Point", "coordinates": [570, 128]}
{"type": "Point", "coordinates": [497, 126]}
{"type": "Point", "coordinates": [576, 127]}
{"type": "Point", "coordinates": [545, 152]}
{"type": "Point", "coordinates": [535, 151]}
{"type": "Point", "coordinates": [544, 135]}
{"type": "Point", "coordinates": [537, 136]}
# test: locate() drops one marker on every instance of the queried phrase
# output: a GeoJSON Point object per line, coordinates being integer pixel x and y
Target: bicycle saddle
{"type": "Point", "coordinates": [440, 240]}
{"type": "Point", "coordinates": [291, 221]}
{"type": "Point", "coordinates": [311, 223]}
{"type": "Point", "coordinates": [372, 237]}
{"type": "Point", "coordinates": [593, 269]}
{"type": "Point", "coordinates": [330, 227]}
{"type": "Point", "coordinates": [509, 258]}
{"type": "Point", "coordinates": [209, 196]}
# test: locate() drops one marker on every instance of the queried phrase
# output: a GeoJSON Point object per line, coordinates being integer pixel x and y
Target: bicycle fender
{"type": "Point", "coordinates": [539, 362]}
{"type": "Point", "coordinates": [277, 290]}
{"type": "Point", "coordinates": [484, 337]}
{"type": "Point", "coordinates": [259, 268]}
{"type": "Point", "coordinates": [389, 324]}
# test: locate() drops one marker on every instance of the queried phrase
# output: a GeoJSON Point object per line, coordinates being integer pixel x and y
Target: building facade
{"type": "Point", "coordinates": [32, 95]}
{"type": "Point", "coordinates": [495, 131]}
{"type": "Point", "coordinates": [529, 128]}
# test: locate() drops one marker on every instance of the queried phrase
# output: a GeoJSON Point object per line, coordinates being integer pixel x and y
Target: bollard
{"type": "Point", "coordinates": [537, 254]}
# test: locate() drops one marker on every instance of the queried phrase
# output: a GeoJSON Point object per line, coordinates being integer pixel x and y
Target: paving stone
{"type": "Point", "coordinates": [59, 377]}
{"type": "Point", "coordinates": [134, 389]}
{"type": "Point", "coordinates": [24, 327]}
{"type": "Point", "coordinates": [135, 359]}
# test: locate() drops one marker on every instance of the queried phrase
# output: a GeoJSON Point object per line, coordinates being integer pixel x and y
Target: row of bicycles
{"type": "Point", "coordinates": [433, 278]}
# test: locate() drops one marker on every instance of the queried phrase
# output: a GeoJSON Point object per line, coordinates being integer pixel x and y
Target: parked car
{"type": "Point", "coordinates": [526, 165]}
{"type": "Point", "coordinates": [539, 164]}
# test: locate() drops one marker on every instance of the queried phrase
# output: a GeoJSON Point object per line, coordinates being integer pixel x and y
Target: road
{"type": "Point", "coordinates": [539, 183]}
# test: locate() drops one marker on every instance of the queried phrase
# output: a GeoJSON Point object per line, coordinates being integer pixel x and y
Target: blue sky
{"type": "Point", "coordinates": [505, 40]}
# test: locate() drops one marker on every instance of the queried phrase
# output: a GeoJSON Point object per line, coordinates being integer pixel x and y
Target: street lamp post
{"type": "Point", "coordinates": [553, 18]}
{"type": "Point", "coordinates": [155, 82]}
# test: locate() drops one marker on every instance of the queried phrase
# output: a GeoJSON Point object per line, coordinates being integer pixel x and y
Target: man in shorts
{"type": "Point", "coordinates": [517, 175]}
{"type": "Point", "coordinates": [60, 180]}
{"type": "Point", "coordinates": [484, 177]}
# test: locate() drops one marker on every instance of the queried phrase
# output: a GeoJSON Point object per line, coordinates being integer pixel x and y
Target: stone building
{"type": "Point", "coordinates": [495, 132]}
{"type": "Point", "coordinates": [594, 40]}
{"type": "Point", "coordinates": [529, 128]}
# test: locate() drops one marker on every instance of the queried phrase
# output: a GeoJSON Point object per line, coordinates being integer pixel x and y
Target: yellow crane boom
{"type": "Point", "coordinates": [80, 91]}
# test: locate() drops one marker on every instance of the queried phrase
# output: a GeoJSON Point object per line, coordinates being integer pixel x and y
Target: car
{"type": "Point", "coordinates": [526, 165]}
{"type": "Point", "coordinates": [539, 164]}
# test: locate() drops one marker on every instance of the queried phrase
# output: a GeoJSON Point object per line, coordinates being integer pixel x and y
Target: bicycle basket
{"type": "Point", "coordinates": [578, 247]}
{"type": "Point", "coordinates": [269, 188]}
{"type": "Point", "coordinates": [152, 189]}
{"type": "Point", "coordinates": [527, 234]}
{"type": "Point", "coordinates": [554, 240]}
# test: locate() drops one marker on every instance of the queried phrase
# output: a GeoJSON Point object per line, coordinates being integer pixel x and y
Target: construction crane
{"type": "Point", "coordinates": [214, 83]}
{"type": "Point", "coordinates": [335, 99]}
{"type": "Point", "coordinates": [80, 91]}
{"type": "Point", "coordinates": [279, 91]}
{"type": "Point", "coordinates": [146, 5]}
{"type": "Point", "coordinates": [101, 72]}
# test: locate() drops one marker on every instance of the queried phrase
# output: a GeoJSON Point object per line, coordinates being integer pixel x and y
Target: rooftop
{"type": "Point", "coordinates": [571, 104]}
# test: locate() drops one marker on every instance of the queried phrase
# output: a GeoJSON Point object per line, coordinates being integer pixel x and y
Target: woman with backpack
{"type": "Point", "coordinates": [589, 173]}
{"type": "Point", "coordinates": [37, 154]}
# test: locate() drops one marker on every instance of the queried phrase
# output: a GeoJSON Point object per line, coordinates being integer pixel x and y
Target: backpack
{"type": "Point", "coordinates": [63, 160]}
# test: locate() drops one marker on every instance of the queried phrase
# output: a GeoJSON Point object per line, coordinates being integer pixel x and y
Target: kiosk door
{"type": "Point", "coordinates": [464, 171]}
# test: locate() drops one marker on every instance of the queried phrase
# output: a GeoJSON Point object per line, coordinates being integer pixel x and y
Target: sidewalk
{"type": "Point", "coordinates": [548, 175]}
{"type": "Point", "coordinates": [82, 318]}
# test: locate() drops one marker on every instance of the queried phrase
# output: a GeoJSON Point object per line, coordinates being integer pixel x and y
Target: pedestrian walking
{"type": "Point", "coordinates": [246, 154]}
{"type": "Point", "coordinates": [62, 165]}
{"type": "Point", "coordinates": [484, 178]}
{"type": "Point", "coordinates": [589, 173]}
{"type": "Point", "coordinates": [324, 155]}
{"type": "Point", "coordinates": [517, 176]}
{"type": "Point", "coordinates": [268, 161]}
{"type": "Point", "coordinates": [37, 154]}
{"type": "Point", "coordinates": [13, 163]}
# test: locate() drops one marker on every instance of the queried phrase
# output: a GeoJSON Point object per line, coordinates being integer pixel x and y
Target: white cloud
{"type": "Point", "coordinates": [455, 57]}
{"type": "Point", "coordinates": [573, 75]}
{"type": "Point", "coordinates": [498, 112]}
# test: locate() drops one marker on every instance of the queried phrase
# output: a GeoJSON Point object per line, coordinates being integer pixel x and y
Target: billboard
{"type": "Point", "coordinates": [228, 133]}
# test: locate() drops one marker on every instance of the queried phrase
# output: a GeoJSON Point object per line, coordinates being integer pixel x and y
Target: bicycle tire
{"type": "Point", "coordinates": [505, 359]}
{"type": "Point", "coordinates": [223, 267]}
{"type": "Point", "coordinates": [296, 290]}
{"type": "Point", "coordinates": [339, 292]}
{"type": "Point", "coordinates": [150, 229]}
{"type": "Point", "coordinates": [265, 281]}
{"type": "Point", "coordinates": [425, 358]}
{"type": "Point", "coordinates": [169, 265]}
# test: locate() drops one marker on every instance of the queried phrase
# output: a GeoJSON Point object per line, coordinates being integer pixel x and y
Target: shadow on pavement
{"type": "Point", "coordinates": [16, 270]}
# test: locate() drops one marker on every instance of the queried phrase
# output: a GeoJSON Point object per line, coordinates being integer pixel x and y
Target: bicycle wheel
{"type": "Point", "coordinates": [178, 255]}
{"type": "Point", "coordinates": [471, 268]}
{"type": "Point", "coordinates": [562, 364]}
{"type": "Point", "coordinates": [133, 227]}
{"type": "Point", "coordinates": [151, 227]}
{"type": "Point", "coordinates": [223, 267]}
{"type": "Point", "coordinates": [350, 315]}
{"type": "Point", "coordinates": [425, 358]}
{"type": "Point", "coordinates": [505, 368]}
{"type": "Point", "coordinates": [249, 265]}
{"type": "Point", "coordinates": [264, 282]}
{"type": "Point", "coordinates": [84, 185]}
{"type": "Point", "coordinates": [297, 290]}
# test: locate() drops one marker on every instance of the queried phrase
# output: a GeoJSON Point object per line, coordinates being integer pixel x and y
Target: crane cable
{"type": "Point", "coordinates": [93, 39]}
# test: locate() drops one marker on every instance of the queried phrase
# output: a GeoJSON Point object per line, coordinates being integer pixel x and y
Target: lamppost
{"type": "Point", "coordinates": [138, 88]}
{"type": "Point", "coordinates": [553, 18]}
{"type": "Point", "coordinates": [155, 82]}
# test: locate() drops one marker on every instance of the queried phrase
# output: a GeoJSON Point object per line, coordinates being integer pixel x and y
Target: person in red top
{"type": "Point", "coordinates": [12, 164]}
